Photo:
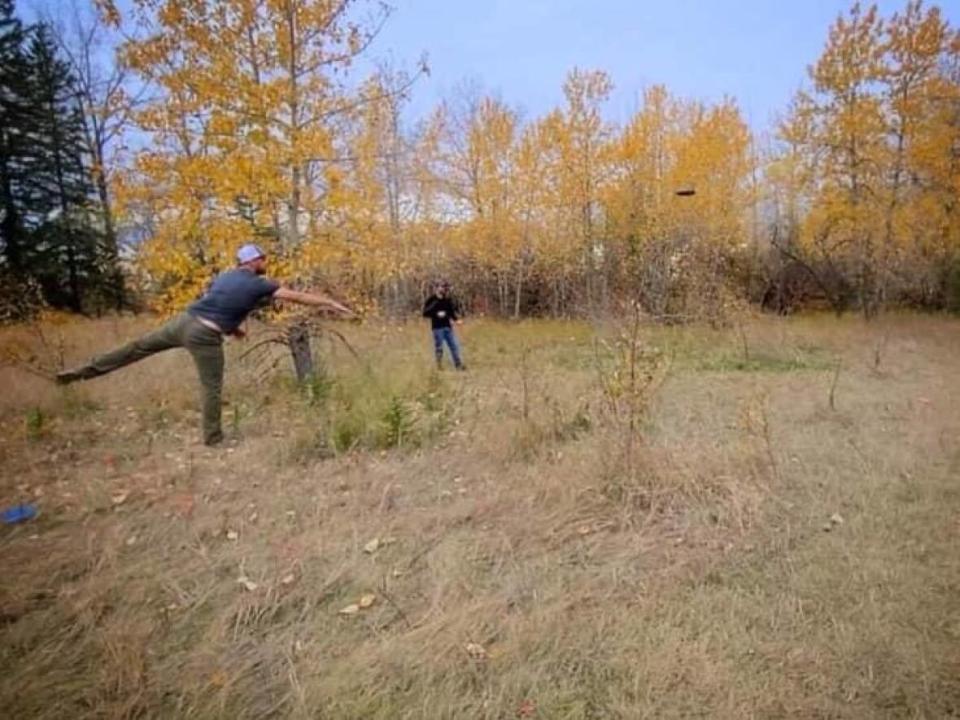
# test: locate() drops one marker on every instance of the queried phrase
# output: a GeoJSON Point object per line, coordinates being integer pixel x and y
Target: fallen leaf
{"type": "Point", "coordinates": [584, 530]}
{"type": "Point", "coordinates": [232, 535]}
{"type": "Point", "coordinates": [247, 583]}
{"type": "Point", "coordinates": [351, 609]}
{"type": "Point", "coordinates": [367, 600]}
{"type": "Point", "coordinates": [219, 678]}
{"type": "Point", "coordinates": [120, 497]}
{"type": "Point", "coordinates": [372, 546]}
{"type": "Point", "coordinates": [288, 579]}
{"type": "Point", "coordinates": [477, 652]}
{"type": "Point", "coordinates": [132, 540]}
{"type": "Point", "coordinates": [253, 517]}
{"type": "Point", "coordinates": [183, 503]}
{"type": "Point", "coordinates": [836, 519]}
{"type": "Point", "coordinates": [527, 709]}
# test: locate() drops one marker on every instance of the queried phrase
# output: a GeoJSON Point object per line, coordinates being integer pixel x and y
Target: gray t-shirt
{"type": "Point", "coordinates": [232, 296]}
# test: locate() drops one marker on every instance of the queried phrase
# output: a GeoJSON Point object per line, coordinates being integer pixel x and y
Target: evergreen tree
{"type": "Point", "coordinates": [67, 244]}
{"type": "Point", "coordinates": [52, 239]}
{"type": "Point", "coordinates": [15, 117]}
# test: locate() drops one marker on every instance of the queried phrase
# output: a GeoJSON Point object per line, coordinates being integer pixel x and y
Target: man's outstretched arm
{"type": "Point", "coordinates": [310, 298]}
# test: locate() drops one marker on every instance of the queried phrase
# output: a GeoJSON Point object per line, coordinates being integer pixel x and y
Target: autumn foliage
{"type": "Point", "coordinates": [867, 178]}
{"type": "Point", "coordinates": [259, 129]}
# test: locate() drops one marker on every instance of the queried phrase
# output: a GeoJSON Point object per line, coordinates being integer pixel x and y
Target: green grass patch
{"type": "Point", "coordinates": [761, 362]}
{"type": "Point", "coordinates": [35, 423]}
{"type": "Point", "coordinates": [352, 408]}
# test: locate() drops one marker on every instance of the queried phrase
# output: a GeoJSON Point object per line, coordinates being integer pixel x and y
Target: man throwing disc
{"type": "Point", "coordinates": [201, 327]}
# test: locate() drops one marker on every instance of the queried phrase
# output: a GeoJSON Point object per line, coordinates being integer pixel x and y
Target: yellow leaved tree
{"type": "Point", "coordinates": [921, 89]}
{"type": "Point", "coordinates": [578, 151]}
{"type": "Point", "coordinates": [371, 202]}
{"type": "Point", "coordinates": [675, 249]}
{"type": "Point", "coordinates": [870, 151]}
{"type": "Point", "coordinates": [474, 165]}
{"type": "Point", "coordinates": [244, 140]}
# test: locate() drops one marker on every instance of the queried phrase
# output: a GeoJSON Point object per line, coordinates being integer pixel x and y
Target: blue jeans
{"type": "Point", "coordinates": [445, 335]}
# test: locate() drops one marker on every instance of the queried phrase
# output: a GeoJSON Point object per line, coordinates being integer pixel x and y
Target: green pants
{"type": "Point", "coordinates": [204, 344]}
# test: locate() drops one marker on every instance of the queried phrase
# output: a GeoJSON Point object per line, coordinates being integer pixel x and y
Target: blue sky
{"type": "Point", "coordinates": [756, 51]}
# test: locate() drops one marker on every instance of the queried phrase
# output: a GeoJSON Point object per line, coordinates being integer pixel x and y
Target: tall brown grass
{"type": "Point", "coordinates": [523, 568]}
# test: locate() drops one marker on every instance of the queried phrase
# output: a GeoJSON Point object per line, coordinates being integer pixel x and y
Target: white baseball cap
{"type": "Point", "coordinates": [249, 252]}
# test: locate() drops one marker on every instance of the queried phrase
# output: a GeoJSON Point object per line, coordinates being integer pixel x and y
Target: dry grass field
{"type": "Point", "coordinates": [754, 522]}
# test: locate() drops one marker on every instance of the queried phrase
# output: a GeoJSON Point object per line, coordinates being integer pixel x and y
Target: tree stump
{"type": "Point", "coordinates": [298, 340]}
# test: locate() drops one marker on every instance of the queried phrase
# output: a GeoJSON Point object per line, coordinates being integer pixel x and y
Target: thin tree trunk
{"type": "Point", "coordinates": [518, 292]}
{"type": "Point", "coordinates": [298, 338]}
{"type": "Point", "coordinates": [111, 245]}
{"type": "Point", "coordinates": [73, 275]}
{"type": "Point", "coordinates": [74, 279]}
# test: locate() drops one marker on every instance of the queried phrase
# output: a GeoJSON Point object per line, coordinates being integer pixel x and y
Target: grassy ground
{"type": "Point", "coordinates": [758, 522]}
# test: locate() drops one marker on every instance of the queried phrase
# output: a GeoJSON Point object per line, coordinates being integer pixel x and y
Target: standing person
{"type": "Point", "coordinates": [443, 311]}
{"type": "Point", "coordinates": [201, 327]}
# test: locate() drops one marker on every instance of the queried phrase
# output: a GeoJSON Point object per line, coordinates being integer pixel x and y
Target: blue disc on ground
{"type": "Point", "coordinates": [19, 513]}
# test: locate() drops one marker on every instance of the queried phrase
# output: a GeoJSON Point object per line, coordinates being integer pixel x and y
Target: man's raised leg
{"type": "Point", "coordinates": [164, 338]}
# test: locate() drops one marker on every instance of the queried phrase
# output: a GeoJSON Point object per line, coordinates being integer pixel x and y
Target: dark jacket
{"type": "Point", "coordinates": [441, 311]}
